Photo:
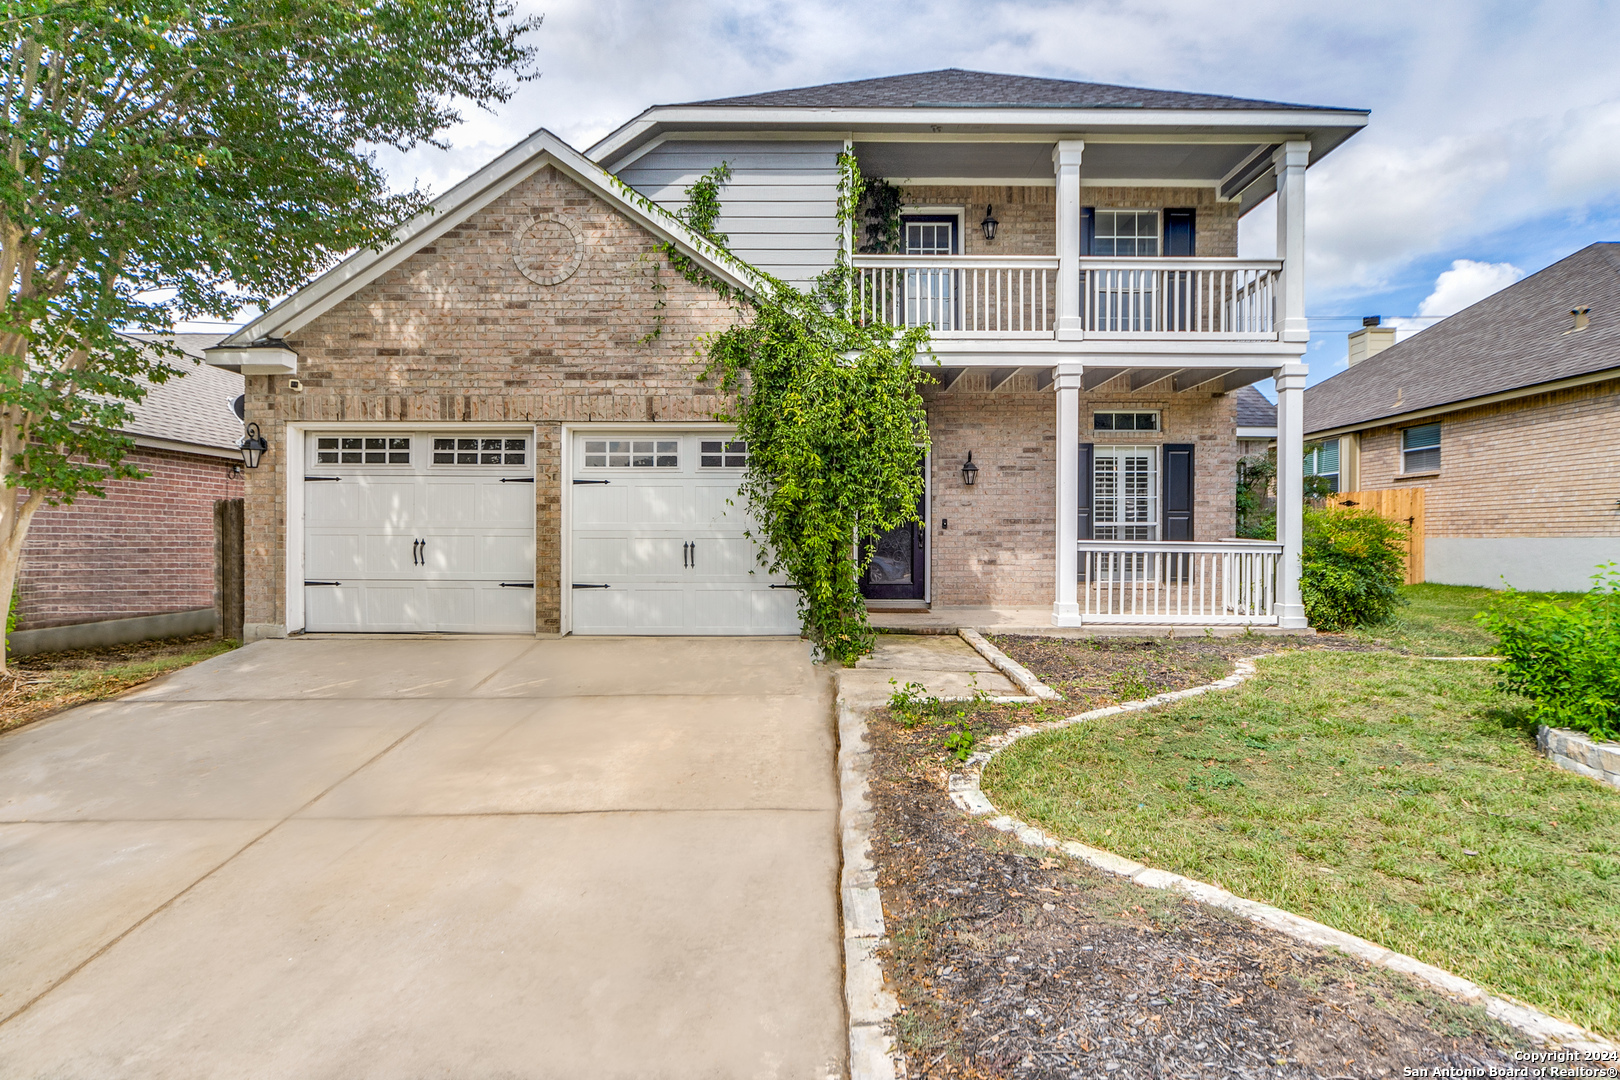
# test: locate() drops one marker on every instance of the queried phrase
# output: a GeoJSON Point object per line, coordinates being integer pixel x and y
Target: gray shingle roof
{"type": "Point", "coordinates": [1516, 338]}
{"type": "Point", "coordinates": [954, 87]}
{"type": "Point", "coordinates": [195, 407]}
{"type": "Point", "coordinates": [1253, 410]}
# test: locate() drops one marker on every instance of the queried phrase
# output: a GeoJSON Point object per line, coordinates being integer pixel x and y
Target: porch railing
{"type": "Point", "coordinates": [1124, 581]}
{"type": "Point", "coordinates": [1215, 298]}
{"type": "Point", "coordinates": [960, 295]}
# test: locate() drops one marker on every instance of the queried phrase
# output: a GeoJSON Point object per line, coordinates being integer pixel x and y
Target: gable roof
{"type": "Point", "coordinates": [958, 88]}
{"type": "Point", "coordinates": [463, 201]}
{"type": "Point", "coordinates": [1253, 410]}
{"type": "Point", "coordinates": [193, 409]}
{"type": "Point", "coordinates": [1517, 338]}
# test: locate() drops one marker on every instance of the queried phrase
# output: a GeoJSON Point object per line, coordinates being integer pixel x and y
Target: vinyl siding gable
{"type": "Point", "coordinates": [779, 209]}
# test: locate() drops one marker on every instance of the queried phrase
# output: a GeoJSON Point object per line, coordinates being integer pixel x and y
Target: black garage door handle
{"type": "Point", "coordinates": [577, 585]}
{"type": "Point", "coordinates": [591, 481]}
{"type": "Point", "coordinates": [517, 479]}
{"type": "Point", "coordinates": [323, 583]}
{"type": "Point", "coordinates": [517, 584]}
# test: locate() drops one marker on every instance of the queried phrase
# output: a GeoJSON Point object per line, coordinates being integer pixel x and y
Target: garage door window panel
{"type": "Point", "coordinates": [362, 450]}
{"type": "Point", "coordinates": [632, 454]}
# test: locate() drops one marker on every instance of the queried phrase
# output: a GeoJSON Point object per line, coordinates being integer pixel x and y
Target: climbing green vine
{"type": "Point", "coordinates": [830, 408]}
{"type": "Point", "coordinates": [880, 203]}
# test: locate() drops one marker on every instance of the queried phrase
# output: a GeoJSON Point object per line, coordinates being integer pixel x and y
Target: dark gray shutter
{"type": "Point", "coordinates": [1088, 229]}
{"type": "Point", "coordinates": [1086, 458]}
{"type": "Point", "coordinates": [1179, 231]}
{"type": "Point", "coordinates": [1178, 491]}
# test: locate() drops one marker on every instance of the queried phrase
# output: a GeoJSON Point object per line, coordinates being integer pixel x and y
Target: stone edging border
{"type": "Point", "coordinates": [1582, 754]}
{"type": "Point", "coordinates": [869, 1007]}
{"type": "Point", "coordinates": [1018, 673]}
{"type": "Point", "coordinates": [966, 793]}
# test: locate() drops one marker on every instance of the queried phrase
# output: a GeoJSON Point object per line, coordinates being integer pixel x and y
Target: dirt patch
{"type": "Point", "coordinates": [1010, 964]}
{"type": "Point", "coordinates": [45, 683]}
{"type": "Point", "coordinates": [1093, 672]}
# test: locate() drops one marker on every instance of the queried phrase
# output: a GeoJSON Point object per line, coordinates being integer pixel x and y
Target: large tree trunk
{"type": "Point", "coordinates": [16, 514]}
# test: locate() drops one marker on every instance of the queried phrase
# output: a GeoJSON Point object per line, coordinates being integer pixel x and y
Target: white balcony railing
{"type": "Point", "coordinates": [1124, 581]}
{"type": "Point", "coordinates": [1210, 298]}
{"type": "Point", "coordinates": [960, 295]}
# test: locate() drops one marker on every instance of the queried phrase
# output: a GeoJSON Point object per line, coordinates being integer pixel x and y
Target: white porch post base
{"type": "Point", "coordinates": [1065, 605]}
{"type": "Point", "coordinates": [1292, 616]}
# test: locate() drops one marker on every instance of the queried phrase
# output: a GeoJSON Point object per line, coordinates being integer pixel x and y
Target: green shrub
{"type": "Point", "coordinates": [1351, 568]}
{"type": "Point", "coordinates": [1564, 657]}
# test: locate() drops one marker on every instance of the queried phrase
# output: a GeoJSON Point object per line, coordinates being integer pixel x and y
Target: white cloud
{"type": "Point", "coordinates": [1465, 284]}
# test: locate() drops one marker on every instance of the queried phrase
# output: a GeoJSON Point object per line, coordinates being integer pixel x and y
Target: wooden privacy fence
{"type": "Point", "coordinates": [228, 577]}
{"type": "Point", "coordinates": [1403, 505]}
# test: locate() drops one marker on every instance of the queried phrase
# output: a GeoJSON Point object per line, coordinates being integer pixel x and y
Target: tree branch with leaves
{"type": "Point", "coordinates": [173, 160]}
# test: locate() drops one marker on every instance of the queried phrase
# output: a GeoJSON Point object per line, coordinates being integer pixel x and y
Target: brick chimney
{"type": "Point", "coordinates": [1370, 340]}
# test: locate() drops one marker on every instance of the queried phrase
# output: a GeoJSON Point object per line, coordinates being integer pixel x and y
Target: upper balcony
{"type": "Point", "coordinates": [1054, 158]}
{"type": "Point", "coordinates": [1169, 300]}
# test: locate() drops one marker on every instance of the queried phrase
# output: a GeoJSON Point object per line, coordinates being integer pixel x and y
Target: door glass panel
{"type": "Point", "coordinates": [891, 561]}
{"type": "Point", "coordinates": [1125, 493]}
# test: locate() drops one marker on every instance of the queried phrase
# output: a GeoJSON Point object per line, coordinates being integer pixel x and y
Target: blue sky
{"type": "Point", "coordinates": [1495, 133]}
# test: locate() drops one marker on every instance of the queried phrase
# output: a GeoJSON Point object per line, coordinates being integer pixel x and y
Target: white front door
{"type": "Point", "coordinates": [659, 539]}
{"type": "Point", "coordinates": [419, 531]}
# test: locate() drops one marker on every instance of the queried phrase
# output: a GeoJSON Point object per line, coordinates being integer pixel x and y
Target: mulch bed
{"type": "Point", "coordinates": [1015, 964]}
{"type": "Point", "coordinates": [33, 688]}
{"type": "Point", "coordinates": [1093, 672]}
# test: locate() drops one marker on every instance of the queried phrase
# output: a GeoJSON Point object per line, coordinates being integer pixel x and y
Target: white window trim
{"type": "Point", "coordinates": [1158, 415]}
{"type": "Point", "coordinates": [1158, 227]}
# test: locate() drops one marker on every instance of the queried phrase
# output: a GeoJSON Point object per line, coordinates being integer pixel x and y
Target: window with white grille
{"type": "Point", "coordinates": [1125, 493]}
{"type": "Point", "coordinates": [1125, 232]}
{"type": "Point", "coordinates": [1420, 448]}
{"type": "Point", "coordinates": [632, 454]}
{"type": "Point", "coordinates": [362, 450]}
{"type": "Point", "coordinates": [1125, 421]}
{"type": "Point", "coordinates": [480, 450]}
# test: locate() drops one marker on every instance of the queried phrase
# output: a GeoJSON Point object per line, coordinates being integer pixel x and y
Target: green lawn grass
{"type": "Point", "coordinates": [1438, 620]}
{"type": "Point", "coordinates": [1395, 798]}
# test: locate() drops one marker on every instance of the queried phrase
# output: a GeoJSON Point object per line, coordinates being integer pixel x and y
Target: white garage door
{"type": "Point", "coordinates": [418, 531]}
{"type": "Point", "coordinates": [658, 547]}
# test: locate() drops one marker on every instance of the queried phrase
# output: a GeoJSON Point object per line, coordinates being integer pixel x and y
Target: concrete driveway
{"type": "Point", "coordinates": [430, 857]}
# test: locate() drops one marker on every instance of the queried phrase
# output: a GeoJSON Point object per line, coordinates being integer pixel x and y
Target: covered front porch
{"type": "Point", "coordinates": [1100, 526]}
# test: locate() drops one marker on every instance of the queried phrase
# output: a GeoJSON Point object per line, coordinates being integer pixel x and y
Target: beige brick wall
{"type": "Point", "coordinates": [455, 333]}
{"type": "Point", "coordinates": [1027, 216]}
{"type": "Point", "coordinates": [999, 546]}
{"type": "Point", "coordinates": [1547, 465]}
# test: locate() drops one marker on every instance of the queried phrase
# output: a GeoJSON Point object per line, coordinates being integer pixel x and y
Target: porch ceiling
{"type": "Point", "coordinates": [990, 162]}
{"type": "Point", "coordinates": [1156, 380]}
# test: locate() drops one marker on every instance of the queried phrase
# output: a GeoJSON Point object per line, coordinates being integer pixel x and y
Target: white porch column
{"type": "Point", "coordinates": [1290, 380]}
{"type": "Point", "coordinates": [1289, 161]}
{"type": "Point", "coordinates": [1066, 383]}
{"type": "Point", "coordinates": [1066, 163]}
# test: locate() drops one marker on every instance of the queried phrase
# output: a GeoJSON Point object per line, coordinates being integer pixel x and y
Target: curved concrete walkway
{"type": "Point", "coordinates": [430, 857]}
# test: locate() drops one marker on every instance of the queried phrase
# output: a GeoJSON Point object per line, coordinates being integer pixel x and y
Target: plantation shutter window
{"type": "Point", "coordinates": [1178, 491]}
{"type": "Point", "coordinates": [1420, 448]}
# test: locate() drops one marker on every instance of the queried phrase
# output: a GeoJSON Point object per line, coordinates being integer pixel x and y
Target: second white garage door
{"type": "Point", "coordinates": [658, 544]}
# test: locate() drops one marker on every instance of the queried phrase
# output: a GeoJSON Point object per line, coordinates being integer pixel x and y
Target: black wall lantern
{"type": "Point", "coordinates": [253, 446]}
{"type": "Point", "coordinates": [989, 223]}
{"type": "Point", "coordinates": [970, 471]}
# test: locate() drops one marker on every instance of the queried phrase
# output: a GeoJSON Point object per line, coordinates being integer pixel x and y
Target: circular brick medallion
{"type": "Point", "coordinates": [548, 249]}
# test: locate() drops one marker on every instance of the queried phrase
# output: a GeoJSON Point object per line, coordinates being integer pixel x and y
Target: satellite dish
{"type": "Point", "coordinates": [239, 407]}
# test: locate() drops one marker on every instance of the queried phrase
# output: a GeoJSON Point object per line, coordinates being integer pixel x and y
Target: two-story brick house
{"type": "Point", "coordinates": [475, 429]}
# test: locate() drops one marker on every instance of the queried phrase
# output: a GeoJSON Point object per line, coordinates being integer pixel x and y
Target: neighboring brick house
{"type": "Point", "coordinates": [1508, 415]}
{"type": "Point", "coordinates": [140, 562]}
{"type": "Point", "coordinates": [477, 429]}
{"type": "Point", "coordinates": [1256, 423]}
